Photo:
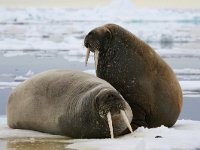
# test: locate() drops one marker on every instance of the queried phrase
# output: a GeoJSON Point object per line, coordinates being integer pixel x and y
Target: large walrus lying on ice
{"type": "Point", "coordinates": [69, 103]}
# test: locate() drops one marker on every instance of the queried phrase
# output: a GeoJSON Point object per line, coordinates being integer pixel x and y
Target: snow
{"type": "Point", "coordinates": [190, 88]}
{"type": "Point", "coordinates": [190, 85]}
{"type": "Point", "coordinates": [122, 9]}
{"type": "Point", "coordinates": [92, 71]}
{"type": "Point", "coordinates": [20, 78]}
{"type": "Point", "coordinates": [188, 74]}
{"type": "Point", "coordinates": [23, 78]}
{"type": "Point", "coordinates": [4, 85]}
{"type": "Point", "coordinates": [29, 73]}
{"type": "Point", "coordinates": [179, 53]}
{"type": "Point", "coordinates": [185, 134]}
{"type": "Point", "coordinates": [16, 79]}
{"type": "Point", "coordinates": [187, 71]}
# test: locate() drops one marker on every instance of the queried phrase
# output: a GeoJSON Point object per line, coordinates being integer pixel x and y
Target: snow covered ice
{"type": "Point", "coordinates": [184, 135]}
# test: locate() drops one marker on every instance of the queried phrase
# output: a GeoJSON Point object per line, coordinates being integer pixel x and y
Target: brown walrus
{"type": "Point", "coordinates": [69, 103]}
{"type": "Point", "coordinates": [143, 78]}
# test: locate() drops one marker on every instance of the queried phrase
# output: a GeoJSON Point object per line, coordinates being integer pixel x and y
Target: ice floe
{"type": "Point", "coordinates": [185, 134]}
{"type": "Point", "coordinates": [180, 136]}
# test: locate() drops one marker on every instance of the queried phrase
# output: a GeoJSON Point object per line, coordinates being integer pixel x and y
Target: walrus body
{"type": "Point", "coordinates": [142, 77]}
{"type": "Point", "coordinates": [69, 103]}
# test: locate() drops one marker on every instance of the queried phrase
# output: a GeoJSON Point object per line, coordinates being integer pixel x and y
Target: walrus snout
{"type": "Point", "coordinates": [113, 108]}
{"type": "Point", "coordinates": [92, 41]}
{"type": "Point", "coordinates": [97, 40]}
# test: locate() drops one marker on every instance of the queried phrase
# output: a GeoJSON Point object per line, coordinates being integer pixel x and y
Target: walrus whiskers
{"type": "Point", "coordinates": [87, 56]}
{"type": "Point", "coordinates": [123, 114]}
{"type": "Point", "coordinates": [109, 118]}
{"type": "Point", "coordinates": [96, 58]}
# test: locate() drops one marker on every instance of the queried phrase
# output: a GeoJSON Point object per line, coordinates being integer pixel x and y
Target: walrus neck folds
{"type": "Point", "coordinates": [111, 108]}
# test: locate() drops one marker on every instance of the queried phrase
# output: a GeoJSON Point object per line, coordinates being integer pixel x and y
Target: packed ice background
{"type": "Point", "coordinates": [48, 33]}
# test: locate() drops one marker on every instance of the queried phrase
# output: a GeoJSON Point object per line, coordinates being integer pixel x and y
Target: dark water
{"type": "Point", "coordinates": [3, 100]}
{"type": "Point", "coordinates": [191, 108]}
{"type": "Point", "coordinates": [19, 65]}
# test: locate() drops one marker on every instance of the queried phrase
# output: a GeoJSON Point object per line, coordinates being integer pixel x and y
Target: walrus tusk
{"type": "Point", "coordinates": [123, 114]}
{"type": "Point", "coordinates": [96, 58]}
{"type": "Point", "coordinates": [87, 56]}
{"type": "Point", "coordinates": [110, 124]}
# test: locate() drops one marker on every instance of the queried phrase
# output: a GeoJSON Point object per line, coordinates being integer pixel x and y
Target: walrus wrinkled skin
{"type": "Point", "coordinates": [143, 78]}
{"type": "Point", "coordinates": [69, 103]}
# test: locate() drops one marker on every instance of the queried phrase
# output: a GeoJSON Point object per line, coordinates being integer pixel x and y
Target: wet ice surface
{"type": "Point", "coordinates": [34, 144]}
{"type": "Point", "coordinates": [34, 40]}
{"type": "Point", "coordinates": [29, 140]}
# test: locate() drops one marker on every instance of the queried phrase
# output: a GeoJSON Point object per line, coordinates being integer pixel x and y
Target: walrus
{"type": "Point", "coordinates": [143, 78]}
{"type": "Point", "coordinates": [69, 103]}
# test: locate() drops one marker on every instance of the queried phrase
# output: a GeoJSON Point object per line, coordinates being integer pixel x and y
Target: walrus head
{"type": "Point", "coordinates": [97, 40]}
{"type": "Point", "coordinates": [112, 107]}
